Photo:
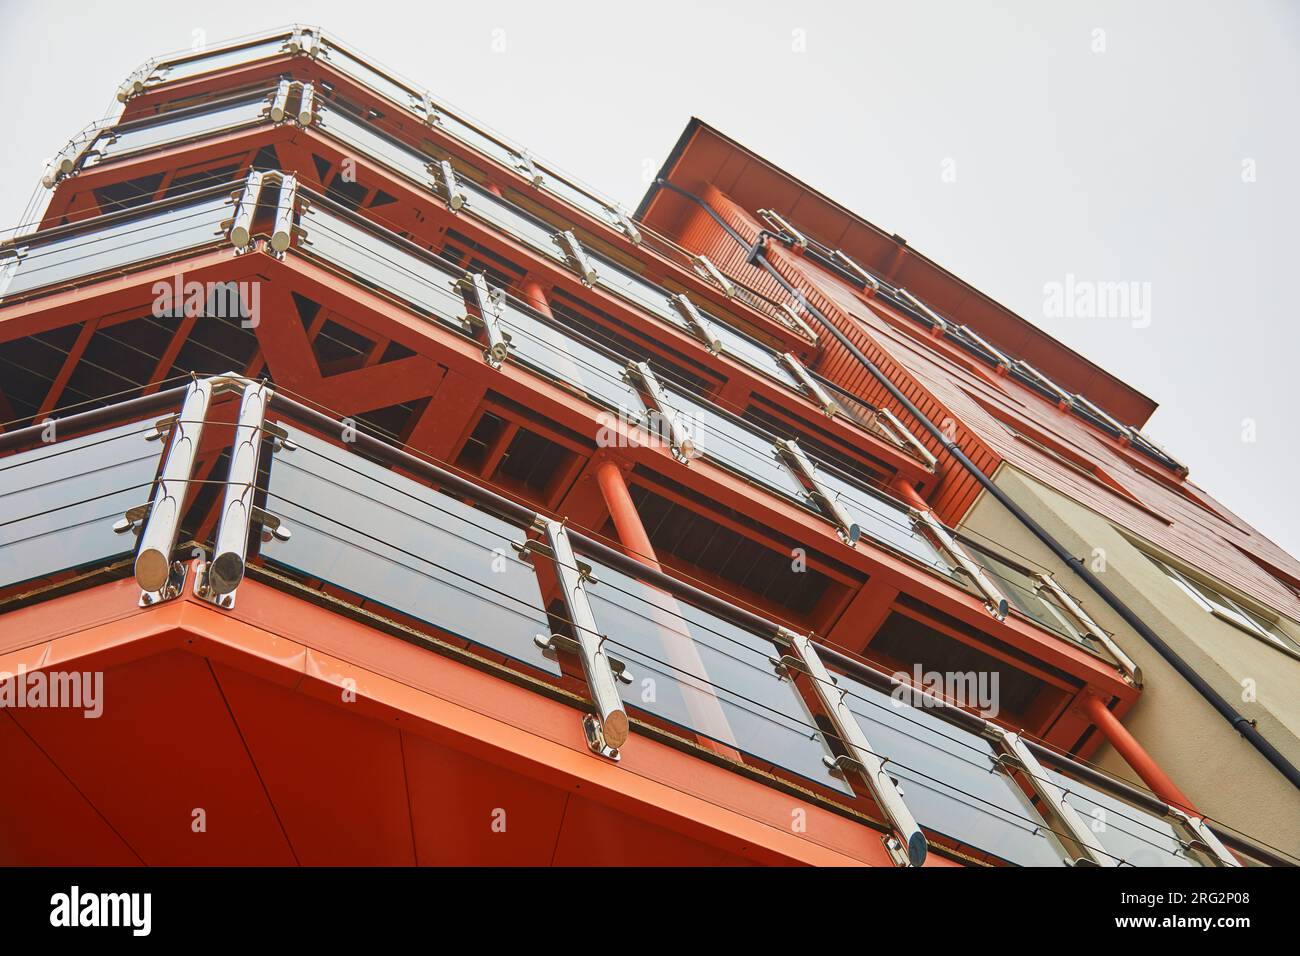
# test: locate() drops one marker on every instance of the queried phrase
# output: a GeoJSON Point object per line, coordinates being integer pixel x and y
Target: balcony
{"type": "Point", "coordinates": [553, 318]}
{"type": "Point", "coordinates": [412, 99]}
{"type": "Point", "coordinates": [356, 136]}
{"type": "Point", "coordinates": [646, 407]}
{"type": "Point", "coordinates": [305, 505]}
{"type": "Point", "coordinates": [327, 79]}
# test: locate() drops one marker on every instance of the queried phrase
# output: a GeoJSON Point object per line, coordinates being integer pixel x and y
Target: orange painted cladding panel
{"type": "Point", "coordinates": [1207, 536]}
{"type": "Point", "coordinates": [242, 717]}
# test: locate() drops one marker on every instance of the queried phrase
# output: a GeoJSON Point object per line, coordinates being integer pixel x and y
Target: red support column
{"type": "Point", "coordinates": [631, 532]}
{"type": "Point", "coordinates": [1098, 713]}
{"type": "Point", "coordinates": [531, 291]}
{"type": "Point", "coordinates": [1135, 754]}
{"type": "Point", "coordinates": [680, 650]}
{"type": "Point", "coordinates": [910, 496]}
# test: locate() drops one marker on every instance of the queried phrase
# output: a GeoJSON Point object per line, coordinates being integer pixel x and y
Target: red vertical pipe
{"type": "Point", "coordinates": [903, 488]}
{"type": "Point", "coordinates": [531, 291]}
{"type": "Point", "coordinates": [1135, 754]}
{"type": "Point", "coordinates": [1099, 714]}
{"type": "Point", "coordinates": [631, 532]}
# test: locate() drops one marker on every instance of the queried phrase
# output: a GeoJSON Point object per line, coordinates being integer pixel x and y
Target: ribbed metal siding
{"type": "Point", "coordinates": [957, 489]}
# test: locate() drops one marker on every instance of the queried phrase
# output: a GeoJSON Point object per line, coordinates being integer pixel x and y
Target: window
{"type": "Point", "coordinates": [1226, 609]}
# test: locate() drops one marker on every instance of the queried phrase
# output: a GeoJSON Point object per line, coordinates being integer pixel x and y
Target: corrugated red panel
{"type": "Point", "coordinates": [957, 489]}
{"type": "Point", "coordinates": [947, 386]}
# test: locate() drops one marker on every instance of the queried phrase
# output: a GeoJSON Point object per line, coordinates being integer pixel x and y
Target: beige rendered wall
{"type": "Point", "coordinates": [1226, 777]}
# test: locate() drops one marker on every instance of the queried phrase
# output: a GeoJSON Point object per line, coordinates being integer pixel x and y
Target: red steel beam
{"type": "Point", "coordinates": [1134, 754]}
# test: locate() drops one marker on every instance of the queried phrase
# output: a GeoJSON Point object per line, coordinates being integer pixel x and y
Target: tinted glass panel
{"type": "Point", "coordinates": [513, 221]}
{"type": "Point", "coordinates": [58, 503]}
{"type": "Point", "coordinates": [707, 675]}
{"type": "Point", "coordinates": [1020, 589]}
{"type": "Point", "coordinates": [402, 545]}
{"type": "Point", "coordinates": [480, 141]}
{"type": "Point", "coordinates": [752, 353]}
{"type": "Point", "coordinates": [580, 199]}
{"type": "Point", "coordinates": [129, 139]}
{"type": "Point", "coordinates": [219, 60]}
{"type": "Point", "coordinates": [951, 779]}
{"type": "Point", "coordinates": [365, 75]}
{"type": "Point", "coordinates": [539, 235]}
{"type": "Point", "coordinates": [384, 265]}
{"type": "Point", "coordinates": [362, 137]}
{"type": "Point", "coordinates": [884, 520]}
{"type": "Point", "coordinates": [628, 284]}
{"type": "Point", "coordinates": [113, 246]}
{"type": "Point", "coordinates": [551, 351]}
{"type": "Point", "coordinates": [730, 443]}
{"type": "Point", "coordinates": [1129, 834]}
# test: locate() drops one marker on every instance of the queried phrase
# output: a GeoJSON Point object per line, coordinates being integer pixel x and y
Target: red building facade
{"type": "Point", "coordinates": [417, 506]}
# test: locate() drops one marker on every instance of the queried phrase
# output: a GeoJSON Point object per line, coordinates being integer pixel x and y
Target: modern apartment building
{"type": "Point", "coordinates": [373, 492]}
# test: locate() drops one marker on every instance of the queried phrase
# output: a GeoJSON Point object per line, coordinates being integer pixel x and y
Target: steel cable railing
{"type": "Point", "coordinates": [768, 437]}
{"type": "Point", "coordinates": [664, 248]}
{"type": "Point", "coordinates": [696, 680]}
{"type": "Point", "coordinates": [1136, 820]}
{"type": "Point", "coordinates": [878, 515]}
{"type": "Point", "coordinates": [888, 519]}
{"type": "Point", "coordinates": [744, 701]}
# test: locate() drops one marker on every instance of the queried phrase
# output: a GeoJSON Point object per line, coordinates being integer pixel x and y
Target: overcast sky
{"type": "Point", "coordinates": [1015, 143]}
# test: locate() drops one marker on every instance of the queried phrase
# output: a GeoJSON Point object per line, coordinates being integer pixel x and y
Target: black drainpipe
{"type": "Point", "coordinates": [1241, 724]}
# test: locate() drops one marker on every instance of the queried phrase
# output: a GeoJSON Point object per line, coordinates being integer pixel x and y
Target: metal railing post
{"type": "Point", "coordinates": [153, 561]}
{"type": "Point", "coordinates": [906, 844]}
{"type": "Point", "coordinates": [226, 570]}
{"type": "Point", "coordinates": [607, 729]}
{"type": "Point", "coordinates": [1091, 852]}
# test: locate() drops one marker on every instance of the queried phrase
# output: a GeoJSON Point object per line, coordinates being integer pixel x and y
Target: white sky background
{"type": "Point", "coordinates": [1123, 165]}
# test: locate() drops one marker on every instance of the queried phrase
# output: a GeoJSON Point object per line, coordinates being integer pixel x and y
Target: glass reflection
{"type": "Point", "coordinates": [366, 75]}
{"type": "Point", "coordinates": [626, 283]}
{"type": "Point", "coordinates": [752, 353]}
{"type": "Point", "coordinates": [387, 266]}
{"type": "Point", "coordinates": [557, 355]}
{"type": "Point", "coordinates": [402, 545]}
{"type": "Point", "coordinates": [512, 220]}
{"type": "Point", "coordinates": [952, 781]}
{"type": "Point", "coordinates": [539, 234]}
{"type": "Point", "coordinates": [134, 137]}
{"type": "Point", "coordinates": [362, 137]}
{"type": "Point", "coordinates": [884, 520]}
{"type": "Point", "coordinates": [1021, 589]}
{"type": "Point", "coordinates": [702, 673]}
{"type": "Point", "coordinates": [1133, 836]}
{"type": "Point", "coordinates": [480, 141]}
{"type": "Point", "coordinates": [580, 198]}
{"type": "Point", "coordinates": [217, 60]}
{"type": "Point", "coordinates": [732, 444]}
{"type": "Point", "coordinates": [59, 502]}
{"type": "Point", "coordinates": [107, 246]}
